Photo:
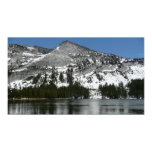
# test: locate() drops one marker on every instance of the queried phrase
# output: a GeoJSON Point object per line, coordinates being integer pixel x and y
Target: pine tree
{"type": "Point", "coordinates": [61, 78]}
{"type": "Point", "coordinates": [45, 79]}
{"type": "Point", "coordinates": [70, 76]}
{"type": "Point", "coordinates": [36, 79]}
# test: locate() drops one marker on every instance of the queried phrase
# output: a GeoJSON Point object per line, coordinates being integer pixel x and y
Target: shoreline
{"type": "Point", "coordinates": [23, 99]}
{"type": "Point", "coordinates": [15, 99]}
{"type": "Point", "coordinates": [28, 99]}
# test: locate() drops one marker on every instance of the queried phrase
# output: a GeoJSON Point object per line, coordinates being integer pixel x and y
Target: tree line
{"type": "Point", "coordinates": [50, 91]}
{"type": "Point", "coordinates": [112, 91]}
{"type": "Point", "coordinates": [134, 89]}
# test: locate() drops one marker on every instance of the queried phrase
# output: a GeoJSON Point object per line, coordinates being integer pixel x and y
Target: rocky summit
{"type": "Point", "coordinates": [90, 68]}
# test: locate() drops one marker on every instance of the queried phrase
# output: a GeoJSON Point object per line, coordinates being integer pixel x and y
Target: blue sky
{"type": "Point", "coordinates": [125, 47]}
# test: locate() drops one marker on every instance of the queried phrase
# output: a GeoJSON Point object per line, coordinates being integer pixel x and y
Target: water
{"type": "Point", "coordinates": [82, 107]}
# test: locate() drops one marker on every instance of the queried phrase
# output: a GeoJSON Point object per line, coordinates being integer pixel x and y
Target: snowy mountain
{"type": "Point", "coordinates": [90, 68]}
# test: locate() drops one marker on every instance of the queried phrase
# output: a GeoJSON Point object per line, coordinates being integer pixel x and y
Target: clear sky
{"type": "Point", "coordinates": [125, 47]}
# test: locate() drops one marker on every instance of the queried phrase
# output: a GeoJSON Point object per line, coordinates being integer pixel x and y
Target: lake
{"type": "Point", "coordinates": [77, 107]}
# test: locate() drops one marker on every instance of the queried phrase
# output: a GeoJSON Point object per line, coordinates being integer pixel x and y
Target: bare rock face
{"type": "Point", "coordinates": [90, 68]}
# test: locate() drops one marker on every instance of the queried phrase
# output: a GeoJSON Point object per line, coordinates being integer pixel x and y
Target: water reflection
{"type": "Point", "coordinates": [84, 107]}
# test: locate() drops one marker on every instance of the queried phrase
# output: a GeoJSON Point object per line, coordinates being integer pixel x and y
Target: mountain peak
{"type": "Point", "coordinates": [66, 43]}
{"type": "Point", "coordinates": [68, 47]}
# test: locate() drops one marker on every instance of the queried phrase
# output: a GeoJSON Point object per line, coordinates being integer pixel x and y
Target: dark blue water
{"type": "Point", "coordinates": [77, 107]}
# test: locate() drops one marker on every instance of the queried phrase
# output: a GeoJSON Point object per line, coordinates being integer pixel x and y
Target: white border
{"type": "Point", "coordinates": [98, 18]}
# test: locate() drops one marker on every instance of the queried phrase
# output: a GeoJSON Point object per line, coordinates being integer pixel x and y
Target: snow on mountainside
{"type": "Point", "coordinates": [90, 68]}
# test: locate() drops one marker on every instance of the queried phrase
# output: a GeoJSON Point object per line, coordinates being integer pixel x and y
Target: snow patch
{"type": "Point", "coordinates": [30, 48]}
{"type": "Point", "coordinates": [27, 54]}
{"type": "Point", "coordinates": [122, 60]}
{"type": "Point", "coordinates": [95, 94]}
{"type": "Point", "coordinates": [58, 48]}
{"type": "Point", "coordinates": [19, 70]}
